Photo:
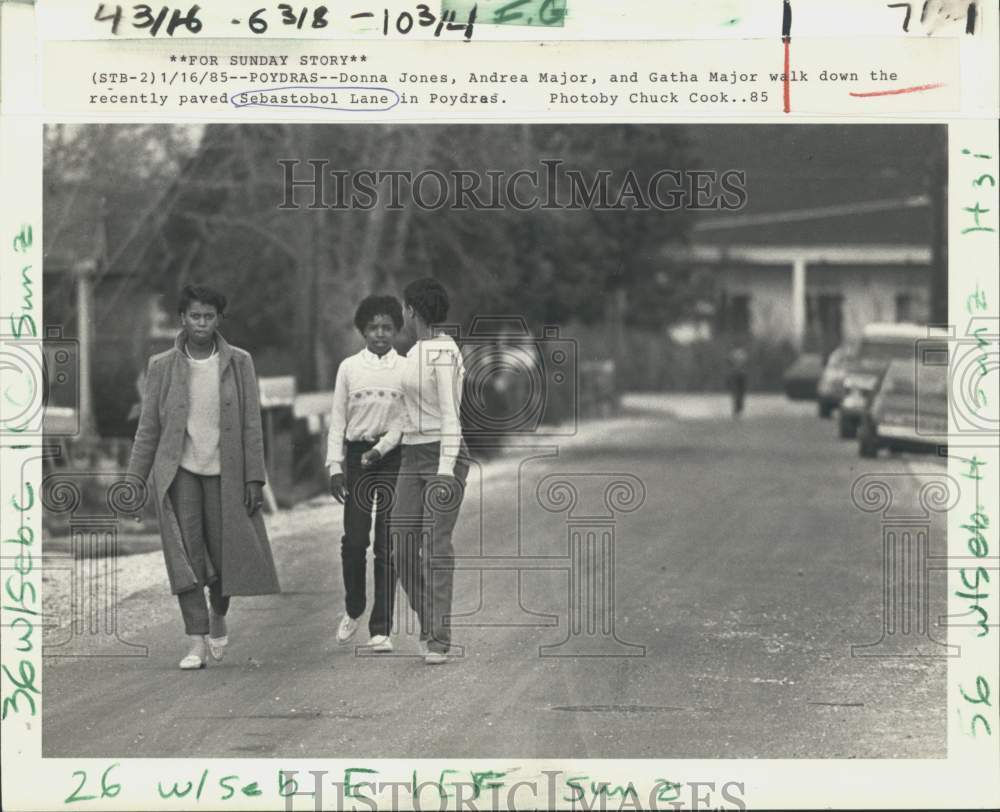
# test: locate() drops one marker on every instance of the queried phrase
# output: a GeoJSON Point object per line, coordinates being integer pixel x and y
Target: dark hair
{"type": "Point", "coordinates": [372, 306]}
{"type": "Point", "coordinates": [203, 294]}
{"type": "Point", "coordinates": [428, 297]}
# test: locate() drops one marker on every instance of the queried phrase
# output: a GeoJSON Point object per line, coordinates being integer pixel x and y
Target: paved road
{"type": "Point", "coordinates": [746, 575]}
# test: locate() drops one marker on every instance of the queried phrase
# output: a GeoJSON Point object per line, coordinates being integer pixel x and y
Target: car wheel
{"type": "Point", "coordinates": [848, 428]}
{"type": "Point", "coordinates": [867, 445]}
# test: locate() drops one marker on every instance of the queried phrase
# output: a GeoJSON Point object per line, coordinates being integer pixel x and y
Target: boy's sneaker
{"type": "Point", "coordinates": [380, 642]}
{"type": "Point", "coordinates": [348, 626]}
{"type": "Point", "coordinates": [430, 656]}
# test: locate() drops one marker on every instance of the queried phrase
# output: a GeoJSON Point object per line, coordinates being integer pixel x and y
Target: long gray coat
{"type": "Point", "coordinates": [247, 566]}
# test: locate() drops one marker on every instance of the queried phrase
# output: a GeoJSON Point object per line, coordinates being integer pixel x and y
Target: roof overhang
{"type": "Point", "coordinates": [810, 254]}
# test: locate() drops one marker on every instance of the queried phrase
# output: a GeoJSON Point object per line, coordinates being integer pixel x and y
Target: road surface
{"type": "Point", "coordinates": [740, 584]}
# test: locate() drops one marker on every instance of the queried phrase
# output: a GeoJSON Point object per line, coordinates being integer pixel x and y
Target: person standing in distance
{"type": "Point", "coordinates": [736, 378]}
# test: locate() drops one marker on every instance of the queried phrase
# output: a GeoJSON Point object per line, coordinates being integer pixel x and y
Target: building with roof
{"type": "Point", "coordinates": [97, 300]}
{"type": "Point", "coordinates": [844, 226]}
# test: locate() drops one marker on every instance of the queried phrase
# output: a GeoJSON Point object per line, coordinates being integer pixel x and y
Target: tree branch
{"type": "Point", "coordinates": [237, 222]}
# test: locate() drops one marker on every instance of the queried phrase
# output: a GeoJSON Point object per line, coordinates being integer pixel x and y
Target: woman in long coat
{"type": "Point", "coordinates": [199, 443]}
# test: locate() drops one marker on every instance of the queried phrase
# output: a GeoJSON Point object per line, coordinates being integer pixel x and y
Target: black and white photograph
{"type": "Point", "coordinates": [535, 440]}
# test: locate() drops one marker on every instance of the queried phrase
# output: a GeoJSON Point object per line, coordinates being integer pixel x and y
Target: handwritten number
{"type": "Point", "coordinates": [472, 21]}
{"type": "Point", "coordinates": [108, 789]}
{"type": "Point", "coordinates": [75, 794]}
{"type": "Point", "coordinates": [424, 15]}
{"type": "Point", "coordinates": [115, 18]}
{"type": "Point", "coordinates": [319, 17]}
{"type": "Point", "coordinates": [27, 674]}
{"type": "Point", "coordinates": [906, 17]}
{"type": "Point", "coordinates": [189, 21]}
{"type": "Point", "coordinates": [160, 19]}
{"type": "Point", "coordinates": [143, 16]}
{"type": "Point", "coordinates": [257, 23]}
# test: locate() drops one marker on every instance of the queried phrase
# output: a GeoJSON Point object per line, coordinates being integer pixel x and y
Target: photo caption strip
{"type": "Point", "coordinates": [177, 63]}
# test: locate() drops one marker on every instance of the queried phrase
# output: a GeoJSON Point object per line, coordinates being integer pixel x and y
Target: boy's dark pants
{"type": "Point", "coordinates": [367, 489]}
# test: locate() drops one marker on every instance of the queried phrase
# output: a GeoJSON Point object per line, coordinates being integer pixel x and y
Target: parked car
{"type": "Point", "coordinates": [802, 376]}
{"type": "Point", "coordinates": [904, 416]}
{"type": "Point", "coordinates": [830, 389]}
{"type": "Point", "coordinates": [880, 344]}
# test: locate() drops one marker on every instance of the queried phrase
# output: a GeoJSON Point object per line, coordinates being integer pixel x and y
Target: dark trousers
{"type": "Point", "coordinates": [197, 503]}
{"type": "Point", "coordinates": [422, 524]}
{"type": "Point", "coordinates": [737, 390]}
{"type": "Point", "coordinates": [369, 490]}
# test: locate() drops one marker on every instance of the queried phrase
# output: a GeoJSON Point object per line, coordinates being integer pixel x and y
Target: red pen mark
{"type": "Point", "coordinates": [786, 38]}
{"type": "Point", "coordinates": [787, 88]}
{"type": "Point", "coordinates": [897, 91]}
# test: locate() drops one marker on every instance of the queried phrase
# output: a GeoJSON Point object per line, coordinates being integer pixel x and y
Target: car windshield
{"type": "Point", "coordinates": [931, 381]}
{"type": "Point", "coordinates": [839, 357]}
{"type": "Point", "coordinates": [935, 384]}
{"type": "Point", "coordinates": [875, 350]}
{"type": "Point", "coordinates": [898, 384]}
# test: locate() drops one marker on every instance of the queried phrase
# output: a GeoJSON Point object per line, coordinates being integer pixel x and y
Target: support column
{"type": "Point", "coordinates": [591, 526]}
{"type": "Point", "coordinates": [85, 313]}
{"type": "Point", "coordinates": [906, 503]}
{"type": "Point", "coordinates": [93, 630]}
{"type": "Point", "coordinates": [798, 302]}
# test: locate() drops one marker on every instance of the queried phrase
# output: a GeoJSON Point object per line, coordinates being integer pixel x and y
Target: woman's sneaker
{"type": "Point", "coordinates": [195, 658]}
{"type": "Point", "coordinates": [380, 642]}
{"type": "Point", "coordinates": [348, 626]}
{"type": "Point", "coordinates": [218, 638]}
{"type": "Point", "coordinates": [435, 658]}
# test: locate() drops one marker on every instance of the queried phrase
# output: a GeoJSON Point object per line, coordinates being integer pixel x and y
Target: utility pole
{"type": "Point", "coordinates": [938, 192]}
{"type": "Point", "coordinates": [84, 276]}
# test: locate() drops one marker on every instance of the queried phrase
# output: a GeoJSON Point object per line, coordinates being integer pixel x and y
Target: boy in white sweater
{"type": "Point", "coordinates": [367, 414]}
